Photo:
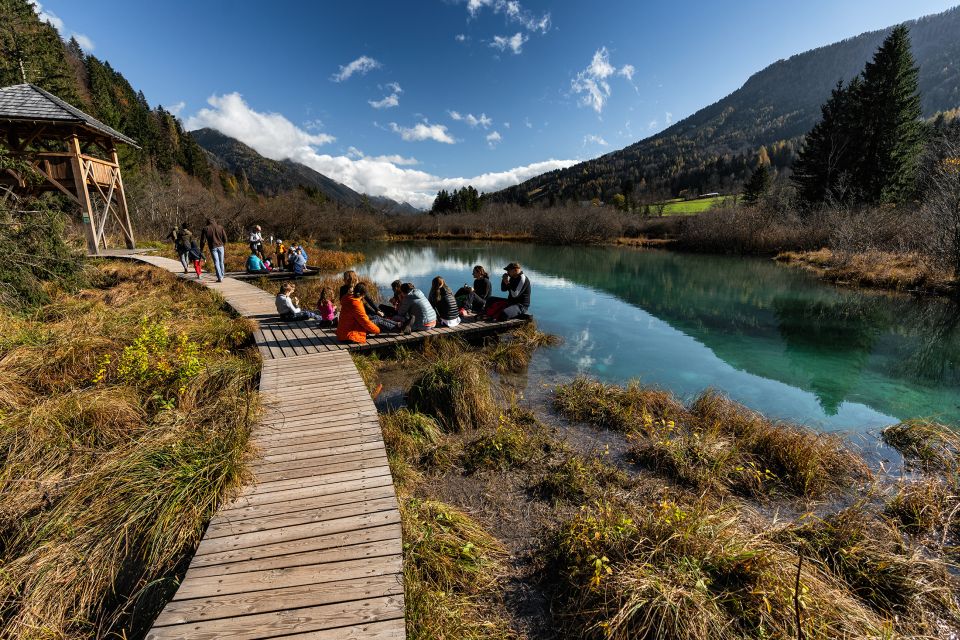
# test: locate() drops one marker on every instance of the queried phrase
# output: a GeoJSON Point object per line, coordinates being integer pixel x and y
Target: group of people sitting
{"type": "Point", "coordinates": [291, 258]}
{"type": "Point", "coordinates": [409, 309]}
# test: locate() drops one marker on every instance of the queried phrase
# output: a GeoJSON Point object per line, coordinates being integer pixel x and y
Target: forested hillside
{"type": "Point", "coordinates": [716, 148]}
{"type": "Point", "coordinates": [272, 177]}
{"type": "Point", "coordinates": [33, 51]}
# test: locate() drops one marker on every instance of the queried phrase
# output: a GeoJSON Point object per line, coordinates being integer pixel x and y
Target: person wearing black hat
{"type": "Point", "coordinates": [517, 285]}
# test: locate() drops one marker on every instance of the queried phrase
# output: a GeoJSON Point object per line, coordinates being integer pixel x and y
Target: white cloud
{"type": "Point", "coordinates": [514, 42]}
{"type": "Point", "coordinates": [49, 16]}
{"type": "Point", "coordinates": [506, 125]}
{"type": "Point", "coordinates": [423, 131]}
{"type": "Point", "coordinates": [378, 176]}
{"type": "Point", "coordinates": [388, 102]}
{"type": "Point", "coordinates": [514, 13]}
{"type": "Point", "coordinates": [668, 117]}
{"type": "Point", "coordinates": [472, 120]}
{"type": "Point", "coordinates": [653, 125]}
{"type": "Point", "coordinates": [362, 65]}
{"type": "Point", "coordinates": [460, 37]}
{"type": "Point", "coordinates": [176, 108]}
{"type": "Point", "coordinates": [278, 137]}
{"type": "Point", "coordinates": [353, 152]}
{"type": "Point", "coordinates": [313, 125]}
{"type": "Point", "coordinates": [527, 123]}
{"type": "Point", "coordinates": [594, 139]}
{"type": "Point", "coordinates": [592, 81]}
{"type": "Point", "coordinates": [84, 41]}
{"type": "Point", "coordinates": [493, 138]}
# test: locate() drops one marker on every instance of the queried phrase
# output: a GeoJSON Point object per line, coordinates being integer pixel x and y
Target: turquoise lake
{"type": "Point", "coordinates": [772, 337]}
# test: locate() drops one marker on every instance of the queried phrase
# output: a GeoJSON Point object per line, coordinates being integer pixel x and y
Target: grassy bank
{"type": "Point", "coordinates": [124, 418]}
{"type": "Point", "coordinates": [705, 520]}
{"type": "Point", "coordinates": [874, 269]}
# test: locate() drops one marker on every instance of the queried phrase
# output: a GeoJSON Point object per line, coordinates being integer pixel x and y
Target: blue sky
{"type": "Point", "coordinates": [403, 98]}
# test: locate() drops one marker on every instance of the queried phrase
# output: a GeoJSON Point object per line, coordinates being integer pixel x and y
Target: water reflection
{"type": "Point", "coordinates": [772, 337]}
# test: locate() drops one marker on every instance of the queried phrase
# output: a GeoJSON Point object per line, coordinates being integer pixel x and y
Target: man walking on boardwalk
{"type": "Point", "coordinates": [215, 236]}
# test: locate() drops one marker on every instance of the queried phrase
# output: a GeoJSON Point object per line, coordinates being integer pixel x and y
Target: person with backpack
{"type": "Point", "coordinates": [182, 245]}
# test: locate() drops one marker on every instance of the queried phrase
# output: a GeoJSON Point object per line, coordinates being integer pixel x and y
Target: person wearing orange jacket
{"type": "Point", "coordinates": [354, 324]}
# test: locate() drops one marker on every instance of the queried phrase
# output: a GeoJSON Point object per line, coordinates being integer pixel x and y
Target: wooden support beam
{"type": "Point", "coordinates": [86, 208]}
{"type": "Point", "coordinates": [122, 202]}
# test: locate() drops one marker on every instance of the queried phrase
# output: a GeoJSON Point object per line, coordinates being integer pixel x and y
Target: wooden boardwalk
{"type": "Point", "coordinates": [313, 549]}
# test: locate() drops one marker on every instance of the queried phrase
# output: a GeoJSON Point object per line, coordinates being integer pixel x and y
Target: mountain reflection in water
{"type": "Point", "coordinates": [771, 337]}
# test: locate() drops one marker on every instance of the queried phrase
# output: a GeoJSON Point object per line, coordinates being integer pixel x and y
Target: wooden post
{"type": "Point", "coordinates": [83, 196]}
{"type": "Point", "coordinates": [122, 201]}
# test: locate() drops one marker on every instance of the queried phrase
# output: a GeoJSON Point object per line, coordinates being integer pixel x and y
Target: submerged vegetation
{"type": "Point", "coordinates": [125, 413]}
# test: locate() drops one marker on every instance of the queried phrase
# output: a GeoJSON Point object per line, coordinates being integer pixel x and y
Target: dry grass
{"type": "Point", "coordinates": [682, 567]}
{"type": "Point", "coordinates": [613, 407]}
{"type": "Point", "coordinates": [868, 552]}
{"type": "Point", "coordinates": [132, 429]}
{"type": "Point", "coordinates": [512, 352]}
{"type": "Point", "coordinates": [715, 442]}
{"type": "Point", "coordinates": [456, 391]}
{"type": "Point", "coordinates": [874, 268]}
{"type": "Point", "coordinates": [450, 567]}
{"type": "Point", "coordinates": [929, 445]}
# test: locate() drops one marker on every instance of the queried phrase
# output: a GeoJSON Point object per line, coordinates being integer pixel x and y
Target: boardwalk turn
{"type": "Point", "coordinates": [313, 549]}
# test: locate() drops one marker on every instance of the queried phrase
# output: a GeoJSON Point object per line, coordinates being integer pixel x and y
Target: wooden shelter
{"type": "Point", "coordinates": [70, 152]}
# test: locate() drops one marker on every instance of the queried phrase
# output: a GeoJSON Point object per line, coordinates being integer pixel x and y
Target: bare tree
{"type": "Point", "coordinates": [942, 198]}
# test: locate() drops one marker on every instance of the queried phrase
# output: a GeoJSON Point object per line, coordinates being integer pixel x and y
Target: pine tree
{"type": "Point", "coordinates": [757, 186]}
{"type": "Point", "coordinates": [825, 166]}
{"type": "Point", "coordinates": [894, 134]}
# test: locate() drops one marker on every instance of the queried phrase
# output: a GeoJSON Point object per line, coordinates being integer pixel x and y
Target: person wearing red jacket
{"type": "Point", "coordinates": [354, 324]}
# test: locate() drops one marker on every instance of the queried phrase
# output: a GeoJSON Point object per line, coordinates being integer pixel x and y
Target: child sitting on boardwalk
{"type": "Point", "coordinates": [289, 307]}
{"type": "Point", "coordinates": [256, 265]}
{"type": "Point", "coordinates": [326, 308]}
{"type": "Point", "coordinates": [354, 325]}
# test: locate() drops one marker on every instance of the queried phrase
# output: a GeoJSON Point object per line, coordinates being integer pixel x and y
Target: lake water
{"type": "Point", "coordinates": [772, 337]}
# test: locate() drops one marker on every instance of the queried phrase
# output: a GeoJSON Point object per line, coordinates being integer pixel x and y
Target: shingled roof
{"type": "Point", "coordinates": [27, 102]}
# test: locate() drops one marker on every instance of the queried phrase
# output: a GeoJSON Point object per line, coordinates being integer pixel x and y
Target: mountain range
{"type": "Point", "coordinates": [270, 177]}
{"type": "Point", "coordinates": [717, 147]}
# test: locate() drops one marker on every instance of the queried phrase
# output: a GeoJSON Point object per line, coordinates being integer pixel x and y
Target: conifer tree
{"type": "Point", "coordinates": [757, 186]}
{"type": "Point", "coordinates": [824, 168]}
{"type": "Point", "coordinates": [893, 131]}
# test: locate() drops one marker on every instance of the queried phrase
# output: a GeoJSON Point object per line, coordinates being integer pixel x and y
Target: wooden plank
{"type": "Point", "coordinates": [363, 543]}
{"type": "Point", "coordinates": [323, 535]}
{"type": "Point", "coordinates": [198, 610]}
{"type": "Point", "coordinates": [277, 623]}
{"type": "Point", "coordinates": [213, 586]}
{"type": "Point", "coordinates": [226, 524]}
{"type": "Point", "coordinates": [346, 462]}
